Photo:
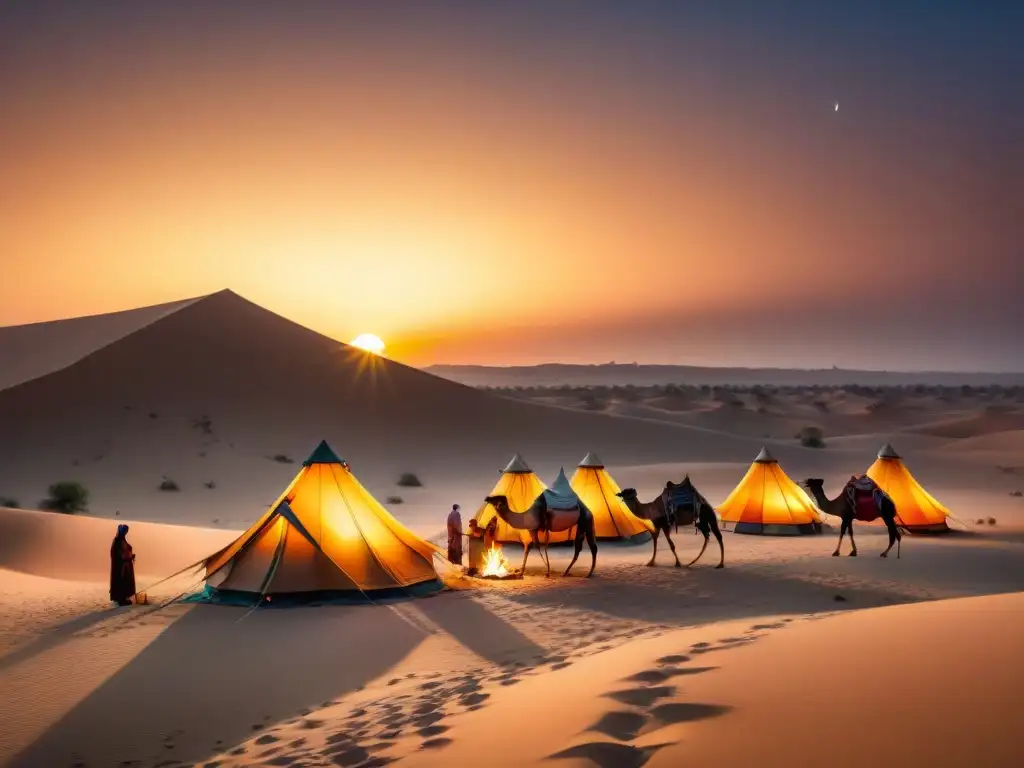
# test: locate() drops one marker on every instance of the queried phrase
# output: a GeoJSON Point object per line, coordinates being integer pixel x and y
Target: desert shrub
{"type": "Point", "coordinates": [204, 424]}
{"type": "Point", "coordinates": [821, 405]}
{"type": "Point", "coordinates": [394, 500]}
{"type": "Point", "coordinates": [991, 521]}
{"type": "Point", "coordinates": [168, 485]}
{"type": "Point", "coordinates": [591, 401]}
{"type": "Point", "coordinates": [282, 458]}
{"type": "Point", "coordinates": [7, 501]}
{"type": "Point", "coordinates": [980, 521]}
{"type": "Point", "coordinates": [153, 415]}
{"type": "Point", "coordinates": [409, 480]}
{"type": "Point", "coordinates": [811, 437]}
{"type": "Point", "coordinates": [1017, 494]}
{"type": "Point", "coordinates": [210, 484]}
{"type": "Point", "coordinates": [67, 497]}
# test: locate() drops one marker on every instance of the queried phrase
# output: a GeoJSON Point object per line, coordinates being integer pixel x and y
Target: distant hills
{"type": "Point", "coordinates": [625, 374]}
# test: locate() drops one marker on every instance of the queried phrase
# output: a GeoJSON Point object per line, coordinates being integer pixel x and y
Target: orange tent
{"type": "Point", "coordinates": [522, 487]}
{"type": "Point", "coordinates": [612, 518]}
{"type": "Point", "coordinates": [916, 509]}
{"type": "Point", "coordinates": [767, 501]}
{"type": "Point", "coordinates": [324, 538]}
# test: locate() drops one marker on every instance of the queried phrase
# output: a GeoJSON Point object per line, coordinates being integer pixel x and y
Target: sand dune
{"type": "Point", "coordinates": [623, 658]}
{"type": "Point", "coordinates": [31, 351]}
{"type": "Point", "coordinates": [78, 548]}
{"type": "Point", "coordinates": [211, 392]}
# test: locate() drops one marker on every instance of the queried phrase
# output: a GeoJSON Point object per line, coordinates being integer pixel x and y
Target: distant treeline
{"type": "Point", "coordinates": [638, 392]}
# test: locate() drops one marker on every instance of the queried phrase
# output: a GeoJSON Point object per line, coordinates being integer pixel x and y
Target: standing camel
{"type": "Point", "coordinates": [658, 513]}
{"type": "Point", "coordinates": [846, 509]}
{"type": "Point", "coordinates": [542, 517]}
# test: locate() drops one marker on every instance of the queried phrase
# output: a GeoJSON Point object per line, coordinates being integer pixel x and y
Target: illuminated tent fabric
{"type": "Point", "coordinates": [916, 509]}
{"type": "Point", "coordinates": [612, 518]}
{"type": "Point", "coordinates": [768, 502]}
{"type": "Point", "coordinates": [522, 487]}
{"type": "Point", "coordinates": [326, 537]}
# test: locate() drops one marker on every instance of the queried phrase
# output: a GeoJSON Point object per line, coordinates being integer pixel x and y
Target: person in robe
{"type": "Point", "coordinates": [455, 536]}
{"type": "Point", "coordinates": [122, 568]}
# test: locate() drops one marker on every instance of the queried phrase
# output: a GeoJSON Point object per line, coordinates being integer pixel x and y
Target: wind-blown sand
{"type": "Point", "coordinates": [913, 660]}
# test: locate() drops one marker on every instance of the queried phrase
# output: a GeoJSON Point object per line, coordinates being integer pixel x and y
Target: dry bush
{"type": "Point", "coordinates": [282, 458]}
{"type": "Point", "coordinates": [811, 437]}
{"type": "Point", "coordinates": [394, 500]}
{"type": "Point", "coordinates": [67, 497]}
{"type": "Point", "coordinates": [168, 485]}
{"type": "Point", "coordinates": [409, 480]}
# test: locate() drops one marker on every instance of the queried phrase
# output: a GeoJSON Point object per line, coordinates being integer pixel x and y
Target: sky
{"type": "Point", "coordinates": [474, 182]}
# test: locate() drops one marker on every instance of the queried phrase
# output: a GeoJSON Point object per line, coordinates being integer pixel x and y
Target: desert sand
{"type": "Point", "coordinates": [815, 659]}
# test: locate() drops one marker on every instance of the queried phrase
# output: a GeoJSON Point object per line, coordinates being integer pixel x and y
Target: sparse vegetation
{"type": "Point", "coordinates": [811, 437]}
{"type": "Point", "coordinates": [154, 415]}
{"type": "Point", "coordinates": [210, 484]}
{"type": "Point", "coordinates": [7, 501]}
{"type": "Point", "coordinates": [991, 521]}
{"type": "Point", "coordinates": [282, 458]}
{"type": "Point", "coordinates": [168, 485]}
{"type": "Point", "coordinates": [204, 424]}
{"type": "Point", "coordinates": [68, 497]}
{"type": "Point", "coordinates": [1016, 494]}
{"type": "Point", "coordinates": [409, 480]}
{"type": "Point", "coordinates": [394, 500]}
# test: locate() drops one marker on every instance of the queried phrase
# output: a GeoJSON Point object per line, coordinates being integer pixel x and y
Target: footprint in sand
{"type": "Point", "coordinates": [312, 725]}
{"type": "Point", "coordinates": [266, 739]}
{"type": "Point", "coordinates": [430, 686]}
{"type": "Point", "coordinates": [683, 712]}
{"type": "Point", "coordinates": [608, 754]}
{"type": "Point", "coordinates": [757, 627]}
{"type": "Point", "coordinates": [622, 725]}
{"type": "Point", "coordinates": [435, 743]}
{"type": "Point", "coordinates": [676, 659]}
{"type": "Point", "coordinates": [642, 697]}
{"type": "Point", "coordinates": [432, 730]}
{"type": "Point", "coordinates": [473, 699]}
{"type": "Point", "coordinates": [561, 665]}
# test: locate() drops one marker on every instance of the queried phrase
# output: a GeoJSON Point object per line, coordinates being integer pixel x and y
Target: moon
{"type": "Point", "coordinates": [368, 343]}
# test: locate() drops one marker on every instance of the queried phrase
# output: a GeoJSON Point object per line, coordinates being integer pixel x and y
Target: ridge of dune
{"type": "Point", "coordinates": [210, 392]}
{"type": "Point", "coordinates": [36, 349]}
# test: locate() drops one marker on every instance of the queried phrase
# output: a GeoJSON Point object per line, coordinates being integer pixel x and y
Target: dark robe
{"type": "Point", "coordinates": [122, 571]}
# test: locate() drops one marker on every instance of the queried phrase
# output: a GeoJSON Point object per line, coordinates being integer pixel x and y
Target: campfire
{"type": "Point", "coordinates": [496, 566]}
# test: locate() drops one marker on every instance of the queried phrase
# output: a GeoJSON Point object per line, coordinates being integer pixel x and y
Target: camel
{"type": "Point", "coordinates": [658, 513]}
{"type": "Point", "coordinates": [539, 517]}
{"type": "Point", "coordinates": [842, 508]}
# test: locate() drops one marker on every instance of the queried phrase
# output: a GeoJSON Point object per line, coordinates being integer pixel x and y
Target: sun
{"type": "Point", "coordinates": [368, 343]}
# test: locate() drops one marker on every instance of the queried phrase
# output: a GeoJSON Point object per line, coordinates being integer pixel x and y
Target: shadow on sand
{"type": "Point", "coordinates": [478, 629]}
{"type": "Point", "coordinates": [58, 635]}
{"type": "Point", "coordinates": [209, 680]}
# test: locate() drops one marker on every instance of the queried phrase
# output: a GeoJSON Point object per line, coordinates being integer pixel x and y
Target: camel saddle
{"type": "Point", "coordinates": [866, 498]}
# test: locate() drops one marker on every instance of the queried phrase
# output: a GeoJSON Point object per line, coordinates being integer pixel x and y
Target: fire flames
{"type": "Point", "coordinates": [495, 563]}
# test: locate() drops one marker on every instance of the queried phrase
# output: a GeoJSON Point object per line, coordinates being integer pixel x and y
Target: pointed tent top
{"type": "Point", "coordinates": [764, 457]}
{"type": "Point", "coordinates": [323, 454]}
{"type": "Point", "coordinates": [888, 452]}
{"type": "Point", "coordinates": [561, 485]}
{"type": "Point", "coordinates": [517, 466]}
{"type": "Point", "coordinates": [591, 461]}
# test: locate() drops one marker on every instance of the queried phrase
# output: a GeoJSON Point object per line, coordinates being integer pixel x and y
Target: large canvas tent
{"type": "Point", "coordinates": [521, 486]}
{"type": "Point", "coordinates": [612, 518]}
{"type": "Point", "coordinates": [325, 538]}
{"type": "Point", "coordinates": [768, 502]}
{"type": "Point", "coordinates": [916, 509]}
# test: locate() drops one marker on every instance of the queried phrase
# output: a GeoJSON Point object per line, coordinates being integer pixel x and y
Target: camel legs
{"type": "Point", "coordinates": [721, 545]}
{"type": "Point", "coordinates": [700, 554]}
{"type": "Point", "coordinates": [894, 538]}
{"type": "Point", "coordinates": [846, 526]}
{"type": "Point", "coordinates": [672, 546]}
{"type": "Point", "coordinates": [526, 554]}
{"type": "Point", "coordinates": [547, 561]}
{"type": "Point", "coordinates": [654, 538]}
{"type": "Point", "coordinates": [592, 543]}
{"type": "Point", "coordinates": [577, 548]}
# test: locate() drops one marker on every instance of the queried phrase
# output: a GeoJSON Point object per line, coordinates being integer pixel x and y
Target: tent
{"type": "Point", "coordinates": [519, 483]}
{"type": "Point", "coordinates": [326, 538]}
{"type": "Point", "coordinates": [916, 509]}
{"type": "Point", "coordinates": [612, 518]}
{"type": "Point", "coordinates": [767, 501]}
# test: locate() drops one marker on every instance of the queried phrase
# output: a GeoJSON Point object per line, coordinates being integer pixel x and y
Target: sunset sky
{"type": "Point", "coordinates": [525, 182]}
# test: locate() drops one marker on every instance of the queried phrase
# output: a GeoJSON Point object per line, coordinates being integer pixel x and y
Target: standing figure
{"type": "Point", "coordinates": [122, 568]}
{"type": "Point", "coordinates": [455, 536]}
